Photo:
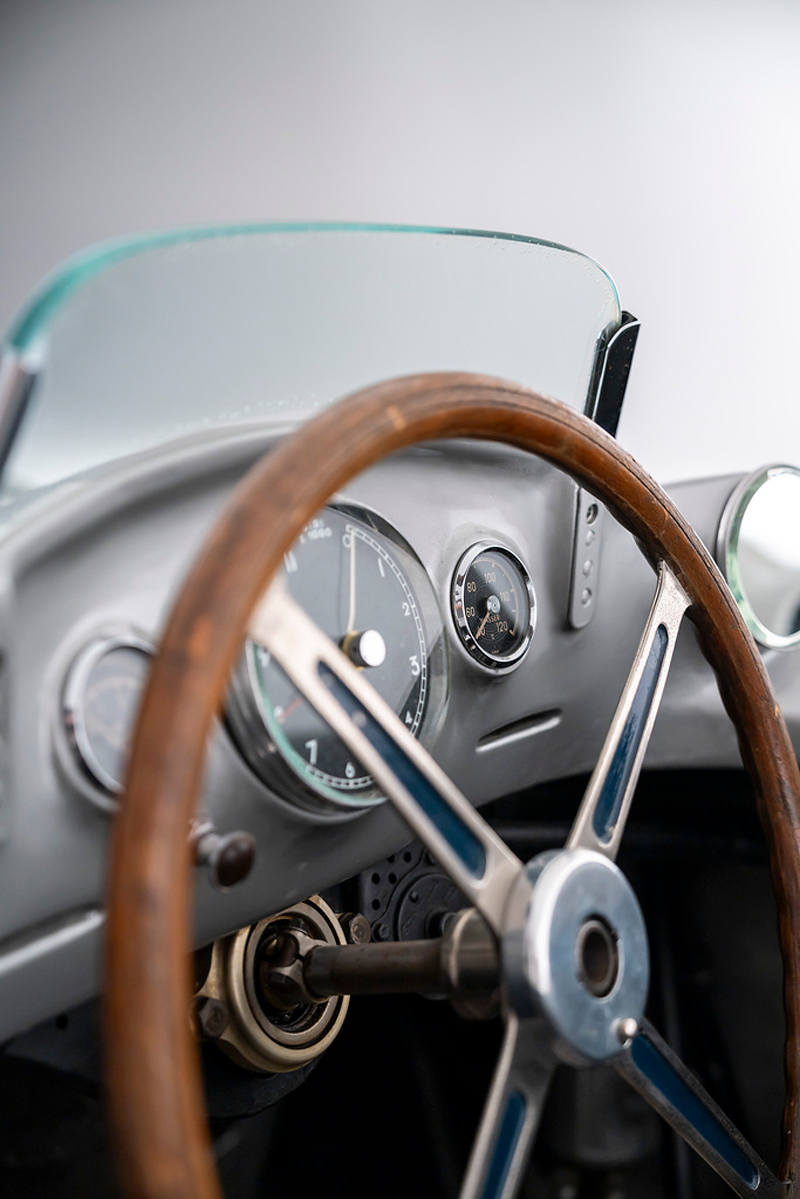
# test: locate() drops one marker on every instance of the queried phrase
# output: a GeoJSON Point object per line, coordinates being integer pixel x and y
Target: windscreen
{"type": "Point", "coordinates": [137, 343]}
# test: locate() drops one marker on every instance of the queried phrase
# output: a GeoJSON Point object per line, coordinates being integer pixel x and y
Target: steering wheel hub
{"type": "Point", "coordinates": [575, 951]}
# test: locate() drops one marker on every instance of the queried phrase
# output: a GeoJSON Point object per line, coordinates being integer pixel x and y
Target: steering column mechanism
{"type": "Point", "coordinates": [573, 956]}
{"type": "Point", "coordinates": [258, 1027]}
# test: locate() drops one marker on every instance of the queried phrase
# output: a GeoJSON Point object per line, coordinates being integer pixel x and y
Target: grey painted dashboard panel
{"type": "Point", "coordinates": [109, 552]}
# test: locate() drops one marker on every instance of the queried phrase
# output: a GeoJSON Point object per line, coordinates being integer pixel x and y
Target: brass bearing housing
{"type": "Point", "coordinates": [256, 1036]}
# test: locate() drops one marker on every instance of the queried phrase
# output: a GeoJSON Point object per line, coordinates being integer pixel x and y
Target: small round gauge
{"type": "Point", "coordinates": [365, 588]}
{"type": "Point", "coordinates": [494, 606]}
{"type": "Point", "coordinates": [100, 702]}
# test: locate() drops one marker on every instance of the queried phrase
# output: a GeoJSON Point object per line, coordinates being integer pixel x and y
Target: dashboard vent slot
{"type": "Point", "coordinates": [519, 729]}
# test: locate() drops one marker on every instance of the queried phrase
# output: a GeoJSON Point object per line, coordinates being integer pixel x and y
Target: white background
{"type": "Point", "coordinates": [662, 138]}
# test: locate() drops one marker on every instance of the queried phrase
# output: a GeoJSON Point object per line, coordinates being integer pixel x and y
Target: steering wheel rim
{"type": "Point", "coordinates": [154, 1082]}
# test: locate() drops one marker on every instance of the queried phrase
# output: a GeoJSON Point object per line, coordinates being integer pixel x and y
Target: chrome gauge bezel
{"type": "Point", "coordinates": [727, 552]}
{"type": "Point", "coordinates": [73, 744]}
{"type": "Point", "coordinates": [495, 663]}
{"type": "Point", "coordinates": [249, 722]}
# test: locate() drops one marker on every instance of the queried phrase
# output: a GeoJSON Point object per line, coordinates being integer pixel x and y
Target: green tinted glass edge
{"type": "Point", "coordinates": [32, 321]}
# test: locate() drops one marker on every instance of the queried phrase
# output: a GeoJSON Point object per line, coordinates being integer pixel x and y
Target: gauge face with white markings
{"type": "Point", "coordinates": [369, 593]}
{"type": "Point", "coordinates": [494, 606]}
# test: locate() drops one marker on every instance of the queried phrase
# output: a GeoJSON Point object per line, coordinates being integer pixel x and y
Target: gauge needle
{"type": "Point", "coordinates": [351, 616]}
{"type": "Point", "coordinates": [492, 605]}
{"type": "Point", "coordinates": [482, 625]}
{"type": "Point", "coordinates": [288, 711]}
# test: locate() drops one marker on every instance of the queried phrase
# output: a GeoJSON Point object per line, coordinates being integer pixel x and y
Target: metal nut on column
{"type": "Point", "coordinates": [211, 1017]}
{"type": "Point", "coordinates": [470, 960]}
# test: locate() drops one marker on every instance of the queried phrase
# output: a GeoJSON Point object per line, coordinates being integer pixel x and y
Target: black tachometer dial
{"type": "Point", "coordinates": [365, 588]}
{"type": "Point", "coordinates": [493, 606]}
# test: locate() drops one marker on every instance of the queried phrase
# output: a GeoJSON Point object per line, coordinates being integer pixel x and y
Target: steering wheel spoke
{"type": "Point", "coordinates": [512, 1113]}
{"type": "Point", "coordinates": [601, 818]}
{"type": "Point", "coordinates": [477, 860]}
{"type": "Point", "coordinates": [652, 1069]}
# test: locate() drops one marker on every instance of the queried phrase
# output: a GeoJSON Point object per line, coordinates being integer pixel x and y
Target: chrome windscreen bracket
{"type": "Point", "coordinates": [604, 406]}
{"type": "Point", "coordinates": [17, 378]}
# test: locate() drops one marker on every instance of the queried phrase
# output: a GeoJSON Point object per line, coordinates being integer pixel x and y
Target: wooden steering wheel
{"type": "Point", "coordinates": [154, 1082]}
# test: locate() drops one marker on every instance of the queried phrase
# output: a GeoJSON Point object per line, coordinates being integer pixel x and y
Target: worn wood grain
{"type": "Point", "coordinates": [153, 1073]}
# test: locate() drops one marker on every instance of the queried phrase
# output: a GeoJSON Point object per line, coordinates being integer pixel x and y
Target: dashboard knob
{"type": "Point", "coordinates": [229, 857]}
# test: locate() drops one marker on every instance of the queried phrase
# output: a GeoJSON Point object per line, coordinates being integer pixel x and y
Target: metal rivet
{"type": "Point", "coordinates": [626, 1028]}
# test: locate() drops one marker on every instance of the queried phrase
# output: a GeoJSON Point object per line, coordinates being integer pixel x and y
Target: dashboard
{"type": "Point", "coordinates": [505, 699]}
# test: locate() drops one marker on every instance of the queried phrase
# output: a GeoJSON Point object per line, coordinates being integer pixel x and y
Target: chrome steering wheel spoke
{"type": "Point", "coordinates": [477, 860]}
{"type": "Point", "coordinates": [652, 1069]}
{"type": "Point", "coordinates": [601, 818]}
{"type": "Point", "coordinates": [512, 1113]}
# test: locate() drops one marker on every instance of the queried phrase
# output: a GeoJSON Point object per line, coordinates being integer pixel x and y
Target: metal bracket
{"type": "Point", "coordinates": [586, 540]}
{"type": "Point", "coordinates": [607, 391]}
{"type": "Point", "coordinates": [17, 378]}
{"type": "Point", "coordinates": [606, 394]}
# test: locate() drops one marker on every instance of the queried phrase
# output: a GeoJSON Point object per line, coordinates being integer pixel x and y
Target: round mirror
{"type": "Point", "coordinates": [759, 552]}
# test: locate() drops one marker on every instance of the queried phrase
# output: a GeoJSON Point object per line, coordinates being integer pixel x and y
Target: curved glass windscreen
{"type": "Point", "coordinates": [138, 343]}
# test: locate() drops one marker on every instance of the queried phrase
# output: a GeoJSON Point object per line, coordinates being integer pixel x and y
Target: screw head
{"type": "Point", "coordinates": [357, 929]}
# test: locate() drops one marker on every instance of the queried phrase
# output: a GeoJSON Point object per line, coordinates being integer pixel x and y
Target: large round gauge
{"type": "Point", "coordinates": [493, 606]}
{"type": "Point", "coordinates": [366, 589]}
{"type": "Point", "coordinates": [100, 701]}
{"type": "Point", "coordinates": [759, 552]}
